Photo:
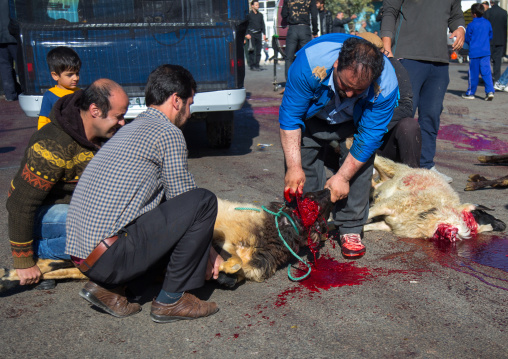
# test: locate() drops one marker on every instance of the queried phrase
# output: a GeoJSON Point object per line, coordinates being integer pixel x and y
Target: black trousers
{"type": "Point", "coordinates": [178, 234]}
{"type": "Point", "coordinates": [403, 142]}
{"type": "Point", "coordinates": [496, 54]}
{"type": "Point", "coordinates": [297, 37]}
{"type": "Point", "coordinates": [255, 56]}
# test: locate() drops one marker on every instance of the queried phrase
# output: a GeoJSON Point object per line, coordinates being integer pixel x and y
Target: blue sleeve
{"type": "Point", "coordinates": [297, 95]}
{"type": "Point", "coordinates": [373, 125]}
{"type": "Point", "coordinates": [468, 34]}
{"type": "Point", "coordinates": [48, 100]}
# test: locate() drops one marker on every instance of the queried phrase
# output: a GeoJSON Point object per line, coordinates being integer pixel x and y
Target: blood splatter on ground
{"type": "Point", "coordinates": [270, 110]}
{"type": "Point", "coordinates": [469, 140]}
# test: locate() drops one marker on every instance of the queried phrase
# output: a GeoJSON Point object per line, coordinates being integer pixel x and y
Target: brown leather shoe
{"type": "Point", "coordinates": [187, 307]}
{"type": "Point", "coordinates": [112, 301]}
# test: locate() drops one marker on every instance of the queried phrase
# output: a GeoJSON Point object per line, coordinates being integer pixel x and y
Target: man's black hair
{"type": "Point", "coordinates": [98, 93]}
{"type": "Point", "coordinates": [253, 1]}
{"type": "Point", "coordinates": [477, 9]}
{"type": "Point", "coordinates": [363, 57]}
{"type": "Point", "coordinates": [166, 80]}
{"type": "Point", "coordinates": [321, 1]}
{"type": "Point", "coordinates": [62, 59]}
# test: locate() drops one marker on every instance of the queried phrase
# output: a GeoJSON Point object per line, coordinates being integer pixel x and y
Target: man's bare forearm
{"type": "Point", "coordinates": [291, 142]}
{"type": "Point", "coordinates": [349, 168]}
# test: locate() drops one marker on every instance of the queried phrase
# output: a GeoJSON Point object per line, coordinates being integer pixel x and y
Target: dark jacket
{"type": "Point", "coordinates": [5, 36]}
{"type": "Point", "coordinates": [256, 23]}
{"type": "Point", "coordinates": [497, 17]}
{"type": "Point", "coordinates": [300, 12]}
{"type": "Point", "coordinates": [325, 22]}
{"type": "Point", "coordinates": [338, 25]}
{"type": "Point", "coordinates": [54, 160]}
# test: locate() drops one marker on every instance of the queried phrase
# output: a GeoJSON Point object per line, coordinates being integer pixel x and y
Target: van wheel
{"type": "Point", "coordinates": [219, 129]}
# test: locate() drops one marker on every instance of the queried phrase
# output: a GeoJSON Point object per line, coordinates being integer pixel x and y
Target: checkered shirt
{"type": "Point", "coordinates": [144, 161]}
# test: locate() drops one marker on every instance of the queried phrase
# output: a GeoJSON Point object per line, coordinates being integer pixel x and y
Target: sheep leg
{"type": "Point", "coordinates": [378, 226]}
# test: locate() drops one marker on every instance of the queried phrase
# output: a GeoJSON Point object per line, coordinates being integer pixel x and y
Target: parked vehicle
{"type": "Point", "coordinates": [124, 40]}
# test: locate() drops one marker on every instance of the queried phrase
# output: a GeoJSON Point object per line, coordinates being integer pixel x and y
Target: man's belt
{"type": "Point", "coordinates": [98, 251]}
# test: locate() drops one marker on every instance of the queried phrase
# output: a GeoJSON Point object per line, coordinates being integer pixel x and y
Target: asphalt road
{"type": "Point", "coordinates": [405, 298]}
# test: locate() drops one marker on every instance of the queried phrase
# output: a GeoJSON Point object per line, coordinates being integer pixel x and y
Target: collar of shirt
{"type": "Point", "coordinates": [339, 110]}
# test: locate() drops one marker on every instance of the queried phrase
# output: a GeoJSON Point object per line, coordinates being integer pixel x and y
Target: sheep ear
{"type": "Point", "coordinates": [482, 207]}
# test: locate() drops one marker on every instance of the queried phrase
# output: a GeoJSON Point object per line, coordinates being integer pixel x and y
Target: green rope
{"type": "Point", "coordinates": [276, 215]}
{"type": "Point", "coordinates": [247, 209]}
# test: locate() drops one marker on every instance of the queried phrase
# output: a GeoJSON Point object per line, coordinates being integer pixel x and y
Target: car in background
{"type": "Point", "coordinates": [124, 40]}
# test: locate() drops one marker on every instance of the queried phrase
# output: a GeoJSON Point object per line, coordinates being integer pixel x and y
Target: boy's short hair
{"type": "Point", "coordinates": [62, 59]}
{"type": "Point", "coordinates": [477, 9]}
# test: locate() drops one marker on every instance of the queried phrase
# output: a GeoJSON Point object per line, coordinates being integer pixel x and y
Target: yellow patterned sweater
{"type": "Point", "coordinates": [54, 160]}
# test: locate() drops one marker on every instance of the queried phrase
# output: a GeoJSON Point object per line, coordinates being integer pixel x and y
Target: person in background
{"type": "Point", "coordinates": [64, 65]}
{"type": "Point", "coordinates": [363, 27]}
{"type": "Point", "coordinates": [299, 15]}
{"type": "Point", "coordinates": [256, 33]}
{"type": "Point", "coordinates": [325, 18]}
{"type": "Point", "coordinates": [502, 84]}
{"type": "Point", "coordinates": [339, 22]}
{"type": "Point", "coordinates": [498, 19]}
{"type": "Point", "coordinates": [426, 60]}
{"type": "Point", "coordinates": [8, 50]}
{"type": "Point", "coordinates": [478, 35]}
{"type": "Point", "coordinates": [486, 5]}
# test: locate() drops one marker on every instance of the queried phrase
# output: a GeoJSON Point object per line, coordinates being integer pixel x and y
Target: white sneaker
{"type": "Point", "coordinates": [505, 89]}
{"type": "Point", "coordinates": [490, 96]}
{"type": "Point", "coordinates": [445, 177]}
{"type": "Point", "coordinates": [499, 87]}
{"type": "Point", "coordinates": [465, 96]}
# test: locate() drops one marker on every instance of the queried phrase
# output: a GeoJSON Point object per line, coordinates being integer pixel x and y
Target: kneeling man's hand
{"type": "Point", "coordinates": [214, 262]}
{"type": "Point", "coordinates": [29, 276]}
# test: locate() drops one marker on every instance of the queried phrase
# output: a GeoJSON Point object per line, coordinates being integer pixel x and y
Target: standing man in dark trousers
{"type": "Point", "coordinates": [255, 29]}
{"type": "Point", "coordinates": [137, 208]}
{"type": "Point", "coordinates": [416, 29]}
{"type": "Point", "coordinates": [8, 50]}
{"type": "Point", "coordinates": [497, 17]}
{"type": "Point", "coordinates": [298, 14]}
{"type": "Point", "coordinates": [324, 18]}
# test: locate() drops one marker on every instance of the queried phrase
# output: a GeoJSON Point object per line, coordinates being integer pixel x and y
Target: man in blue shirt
{"type": "Point", "coordinates": [338, 86]}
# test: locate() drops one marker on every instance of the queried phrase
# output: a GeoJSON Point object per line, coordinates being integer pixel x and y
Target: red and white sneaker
{"type": "Point", "coordinates": [351, 246]}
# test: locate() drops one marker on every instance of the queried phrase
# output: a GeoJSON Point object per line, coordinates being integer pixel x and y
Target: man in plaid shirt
{"type": "Point", "coordinates": [137, 208]}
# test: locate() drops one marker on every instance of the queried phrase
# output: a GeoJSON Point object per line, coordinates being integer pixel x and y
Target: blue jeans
{"type": "Point", "coordinates": [49, 232]}
{"type": "Point", "coordinates": [429, 81]}
{"type": "Point", "coordinates": [503, 80]}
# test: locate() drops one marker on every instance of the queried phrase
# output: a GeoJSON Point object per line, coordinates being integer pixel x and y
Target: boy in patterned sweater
{"type": "Point", "coordinates": [64, 65]}
{"type": "Point", "coordinates": [54, 160]}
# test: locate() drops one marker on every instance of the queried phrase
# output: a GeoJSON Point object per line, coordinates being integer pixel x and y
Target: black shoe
{"type": "Point", "coordinates": [46, 284]}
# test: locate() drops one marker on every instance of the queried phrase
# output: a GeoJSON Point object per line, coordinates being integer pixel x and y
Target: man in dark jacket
{"type": "Point", "coordinates": [8, 49]}
{"type": "Point", "coordinates": [497, 17]}
{"type": "Point", "coordinates": [54, 160]}
{"type": "Point", "coordinates": [324, 18]}
{"type": "Point", "coordinates": [339, 22]}
{"type": "Point", "coordinates": [254, 30]}
{"type": "Point", "coordinates": [298, 14]}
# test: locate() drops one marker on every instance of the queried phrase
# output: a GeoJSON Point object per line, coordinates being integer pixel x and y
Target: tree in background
{"type": "Point", "coordinates": [350, 7]}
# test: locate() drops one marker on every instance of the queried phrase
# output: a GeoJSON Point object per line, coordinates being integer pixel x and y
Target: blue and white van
{"type": "Point", "coordinates": [124, 40]}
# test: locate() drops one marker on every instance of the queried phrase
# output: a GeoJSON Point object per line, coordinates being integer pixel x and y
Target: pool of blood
{"type": "Point", "coordinates": [491, 252]}
{"type": "Point", "coordinates": [328, 273]}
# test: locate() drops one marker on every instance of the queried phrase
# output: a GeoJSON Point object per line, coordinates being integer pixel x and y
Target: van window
{"type": "Point", "coordinates": [184, 12]}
